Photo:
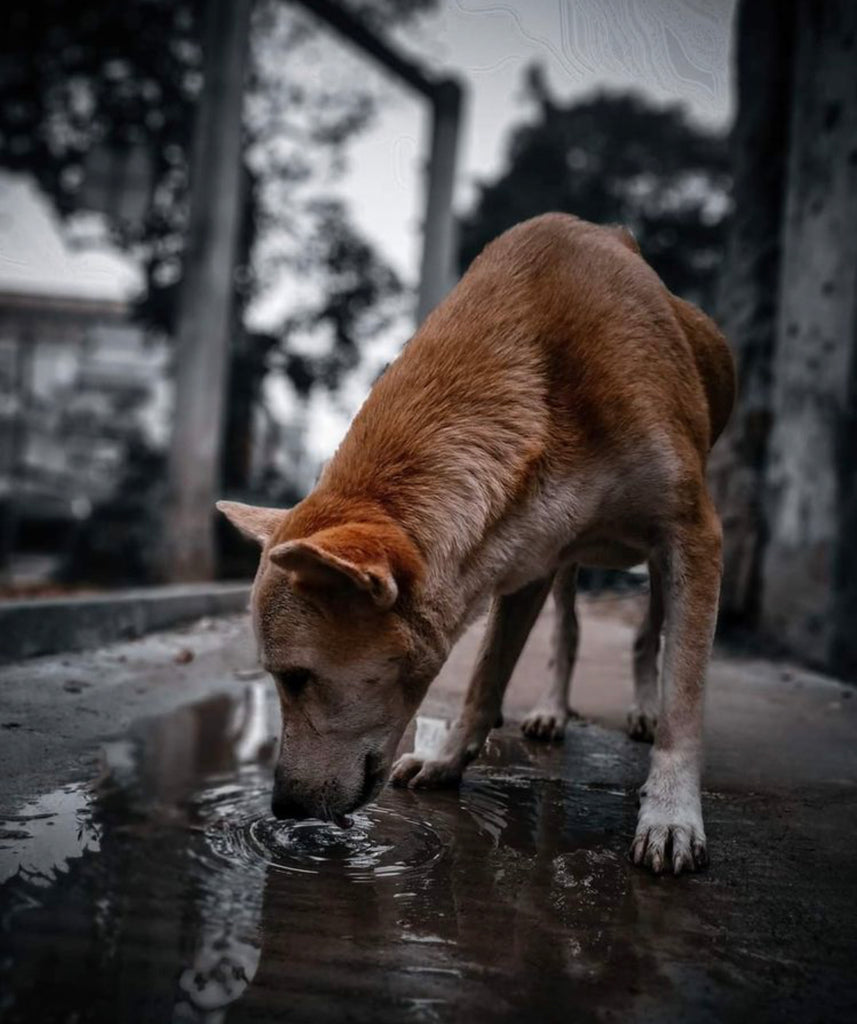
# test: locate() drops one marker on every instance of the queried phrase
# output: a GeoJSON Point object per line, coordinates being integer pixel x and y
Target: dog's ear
{"type": "Point", "coordinates": [314, 564]}
{"type": "Point", "coordinates": [372, 557]}
{"type": "Point", "coordinates": [254, 522]}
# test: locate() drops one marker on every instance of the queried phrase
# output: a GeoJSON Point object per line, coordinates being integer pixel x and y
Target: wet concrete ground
{"type": "Point", "coordinates": [142, 879]}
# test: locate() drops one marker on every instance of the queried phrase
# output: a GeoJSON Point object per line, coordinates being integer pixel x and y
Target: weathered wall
{"type": "Point", "coordinates": [808, 582]}
{"type": "Point", "coordinates": [747, 291]}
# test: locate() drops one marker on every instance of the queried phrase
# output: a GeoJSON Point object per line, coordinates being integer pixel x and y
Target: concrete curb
{"type": "Point", "coordinates": [48, 626]}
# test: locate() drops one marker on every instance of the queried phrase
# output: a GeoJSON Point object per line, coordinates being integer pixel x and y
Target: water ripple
{"type": "Point", "coordinates": [382, 842]}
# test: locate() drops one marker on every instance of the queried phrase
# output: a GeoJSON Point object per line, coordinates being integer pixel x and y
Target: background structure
{"type": "Point", "coordinates": [785, 474]}
{"type": "Point", "coordinates": [282, 204]}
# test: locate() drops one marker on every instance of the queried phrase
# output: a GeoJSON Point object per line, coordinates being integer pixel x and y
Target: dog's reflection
{"type": "Point", "coordinates": [521, 912]}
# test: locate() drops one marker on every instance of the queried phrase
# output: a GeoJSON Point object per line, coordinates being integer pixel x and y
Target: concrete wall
{"type": "Point", "coordinates": [811, 465]}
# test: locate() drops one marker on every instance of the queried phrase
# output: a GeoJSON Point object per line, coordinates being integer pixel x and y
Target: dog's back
{"type": "Point", "coordinates": [559, 345]}
{"type": "Point", "coordinates": [611, 337]}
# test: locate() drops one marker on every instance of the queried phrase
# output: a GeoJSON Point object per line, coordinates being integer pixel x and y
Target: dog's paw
{"type": "Point", "coordinates": [669, 846]}
{"type": "Point", "coordinates": [424, 773]}
{"type": "Point", "coordinates": [669, 835]}
{"type": "Point", "coordinates": [545, 724]}
{"type": "Point", "coordinates": [642, 724]}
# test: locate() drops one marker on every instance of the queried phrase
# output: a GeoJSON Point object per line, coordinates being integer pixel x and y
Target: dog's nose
{"type": "Point", "coordinates": [282, 806]}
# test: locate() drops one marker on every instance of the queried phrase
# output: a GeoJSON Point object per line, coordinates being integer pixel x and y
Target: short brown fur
{"type": "Point", "coordinates": [556, 409]}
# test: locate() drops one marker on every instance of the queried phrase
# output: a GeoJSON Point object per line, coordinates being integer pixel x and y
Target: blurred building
{"type": "Point", "coordinates": [82, 386]}
{"type": "Point", "coordinates": [78, 381]}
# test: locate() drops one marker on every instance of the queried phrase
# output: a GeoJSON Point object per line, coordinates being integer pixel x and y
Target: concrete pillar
{"type": "Point", "coordinates": [809, 586]}
{"type": "Point", "coordinates": [204, 327]}
{"type": "Point", "coordinates": [437, 272]}
{"type": "Point", "coordinates": [747, 291]}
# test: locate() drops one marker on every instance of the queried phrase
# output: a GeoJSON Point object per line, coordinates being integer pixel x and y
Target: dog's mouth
{"type": "Point", "coordinates": [373, 781]}
{"type": "Point", "coordinates": [373, 778]}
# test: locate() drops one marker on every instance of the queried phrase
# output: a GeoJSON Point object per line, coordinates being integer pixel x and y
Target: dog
{"type": "Point", "coordinates": [556, 410]}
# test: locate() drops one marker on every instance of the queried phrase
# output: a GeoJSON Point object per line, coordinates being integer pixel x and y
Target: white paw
{"type": "Point", "coordinates": [545, 723]}
{"type": "Point", "coordinates": [670, 834]}
{"type": "Point", "coordinates": [417, 772]}
{"type": "Point", "coordinates": [642, 724]}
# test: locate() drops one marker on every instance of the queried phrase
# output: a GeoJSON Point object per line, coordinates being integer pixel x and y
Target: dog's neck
{"type": "Point", "coordinates": [445, 457]}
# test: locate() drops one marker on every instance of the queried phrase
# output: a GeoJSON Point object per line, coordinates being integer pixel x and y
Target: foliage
{"type": "Point", "coordinates": [79, 78]}
{"type": "Point", "coordinates": [76, 75]}
{"type": "Point", "coordinates": [118, 543]}
{"type": "Point", "coordinates": [616, 159]}
{"type": "Point", "coordinates": [351, 304]}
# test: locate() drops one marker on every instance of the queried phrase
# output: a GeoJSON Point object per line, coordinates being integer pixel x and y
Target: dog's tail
{"type": "Point", "coordinates": [713, 361]}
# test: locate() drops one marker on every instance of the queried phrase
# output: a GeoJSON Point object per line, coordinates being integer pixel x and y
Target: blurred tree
{"type": "Point", "coordinates": [83, 82]}
{"type": "Point", "coordinates": [616, 159]}
{"type": "Point", "coordinates": [353, 296]}
{"type": "Point", "coordinates": [97, 103]}
{"type": "Point", "coordinates": [90, 89]}
{"type": "Point", "coordinates": [350, 307]}
{"type": "Point", "coordinates": [118, 543]}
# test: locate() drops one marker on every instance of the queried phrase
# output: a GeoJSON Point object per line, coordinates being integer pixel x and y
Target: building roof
{"type": "Point", "coordinates": [36, 260]}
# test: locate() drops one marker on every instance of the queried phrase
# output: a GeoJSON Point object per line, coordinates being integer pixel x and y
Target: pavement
{"type": "Point", "coordinates": [141, 877]}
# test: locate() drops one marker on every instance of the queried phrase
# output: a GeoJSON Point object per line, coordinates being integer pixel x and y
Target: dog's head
{"type": "Point", "coordinates": [331, 616]}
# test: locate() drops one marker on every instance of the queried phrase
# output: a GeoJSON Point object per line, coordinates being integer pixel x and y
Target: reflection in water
{"type": "Point", "coordinates": [43, 836]}
{"type": "Point", "coordinates": [168, 893]}
{"type": "Point", "coordinates": [181, 899]}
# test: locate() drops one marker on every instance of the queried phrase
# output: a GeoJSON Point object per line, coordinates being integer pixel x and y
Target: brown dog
{"type": "Point", "coordinates": [555, 410]}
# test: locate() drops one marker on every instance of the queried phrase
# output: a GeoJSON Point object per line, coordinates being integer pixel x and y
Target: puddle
{"type": "Point", "coordinates": [167, 892]}
{"type": "Point", "coordinates": [380, 843]}
{"type": "Point", "coordinates": [39, 840]}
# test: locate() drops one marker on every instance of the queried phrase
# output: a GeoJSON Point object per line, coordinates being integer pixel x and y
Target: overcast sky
{"type": "Point", "coordinates": [673, 50]}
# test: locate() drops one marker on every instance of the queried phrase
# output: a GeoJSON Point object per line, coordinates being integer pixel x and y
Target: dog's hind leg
{"type": "Point", "coordinates": [669, 830]}
{"type": "Point", "coordinates": [512, 618]}
{"type": "Point", "coordinates": [643, 713]}
{"type": "Point", "coordinates": [547, 719]}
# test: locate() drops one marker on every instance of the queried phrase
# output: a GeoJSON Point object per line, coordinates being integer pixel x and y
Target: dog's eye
{"type": "Point", "coordinates": [293, 681]}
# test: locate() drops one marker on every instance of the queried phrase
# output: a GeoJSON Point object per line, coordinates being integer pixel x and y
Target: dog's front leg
{"type": "Point", "coordinates": [512, 618]}
{"type": "Point", "coordinates": [669, 831]}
